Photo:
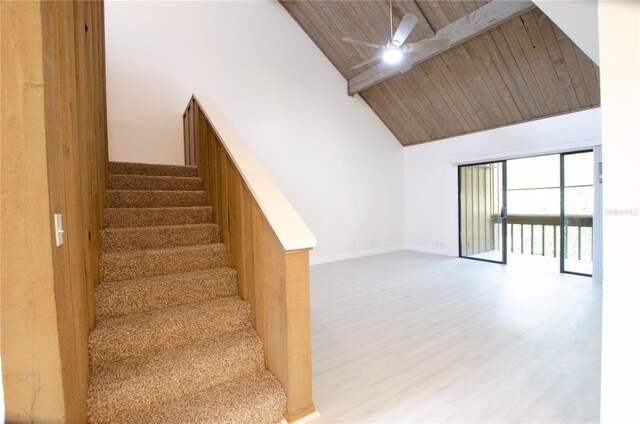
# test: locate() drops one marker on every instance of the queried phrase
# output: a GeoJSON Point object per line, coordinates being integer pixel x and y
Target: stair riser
{"type": "Point", "coordinates": [154, 199]}
{"type": "Point", "coordinates": [144, 217]}
{"type": "Point", "coordinates": [139, 182]}
{"type": "Point", "coordinates": [151, 169]}
{"type": "Point", "coordinates": [140, 335]}
{"type": "Point", "coordinates": [115, 266]}
{"type": "Point", "coordinates": [136, 238]}
{"type": "Point", "coordinates": [117, 390]}
{"type": "Point", "coordinates": [153, 293]}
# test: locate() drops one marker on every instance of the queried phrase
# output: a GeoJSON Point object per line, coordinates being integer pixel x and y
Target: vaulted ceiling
{"type": "Point", "coordinates": [525, 68]}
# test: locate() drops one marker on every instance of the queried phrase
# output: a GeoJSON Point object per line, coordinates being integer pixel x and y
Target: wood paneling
{"type": "Point", "coordinates": [468, 26]}
{"type": "Point", "coordinates": [524, 69]}
{"type": "Point", "coordinates": [54, 160]}
{"type": "Point", "coordinates": [480, 191]}
{"type": "Point", "coordinates": [30, 344]}
{"type": "Point", "coordinates": [275, 281]}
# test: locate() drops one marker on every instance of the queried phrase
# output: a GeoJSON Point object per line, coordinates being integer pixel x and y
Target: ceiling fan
{"type": "Point", "coordinates": [393, 52]}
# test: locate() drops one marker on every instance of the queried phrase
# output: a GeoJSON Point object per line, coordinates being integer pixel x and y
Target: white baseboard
{"type": "Point", "coordinates": [432, 250]}
{"type": "Point", "coordinates": [352, 255]}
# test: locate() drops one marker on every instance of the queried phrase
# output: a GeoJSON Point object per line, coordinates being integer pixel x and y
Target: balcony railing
{"type": "Point", "coordinates": [540, 235]}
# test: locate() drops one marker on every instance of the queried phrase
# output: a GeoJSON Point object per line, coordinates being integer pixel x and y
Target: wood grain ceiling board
{"type": "Point", "coordinates": [524, 69]}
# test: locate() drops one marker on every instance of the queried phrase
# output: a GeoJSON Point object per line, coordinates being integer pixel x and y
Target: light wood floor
{"type": "Point", "coordinates": [413, 337]}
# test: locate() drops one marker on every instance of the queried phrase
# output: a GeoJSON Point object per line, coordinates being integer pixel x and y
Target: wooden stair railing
{"type": "Point", "coordinates": [267, 243]}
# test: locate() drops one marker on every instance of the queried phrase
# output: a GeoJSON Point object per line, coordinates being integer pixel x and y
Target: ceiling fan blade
{"type": "Point", "coordinates": [428, 44]}
{"type": "Point", "coordinates": [361, 43]}
{"type": "Point", "coordinates": [404, 29]}
{"type": "Point", "coordinates": [366, 62]}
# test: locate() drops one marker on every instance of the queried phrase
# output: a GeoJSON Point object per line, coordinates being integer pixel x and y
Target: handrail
{"type": "Point", "coordinates": [540, 219]}
{"type": "Point", "coordinates": [266, 241]}
{"type": "Point", "coordinates": [289, 227]}
{"type": "Point", "coordinates": [572, 220]}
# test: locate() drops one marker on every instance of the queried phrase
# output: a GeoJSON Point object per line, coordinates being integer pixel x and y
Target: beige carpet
{"type": "Point", "coordinates": [173, 341]}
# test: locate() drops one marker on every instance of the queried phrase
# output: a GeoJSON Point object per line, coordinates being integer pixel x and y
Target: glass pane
{"type": "Point", "coordinates": [578, 209]}
{"type": "Point", "coordinates": [534, 186]}
{"type": "Point", "coordinates": [533, 196]}
{"type": "Point", "coordinates": [481, 200]}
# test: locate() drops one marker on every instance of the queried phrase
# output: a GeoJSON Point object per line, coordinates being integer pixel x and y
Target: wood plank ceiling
{"type": "Point", "coordinates": [524, 69]}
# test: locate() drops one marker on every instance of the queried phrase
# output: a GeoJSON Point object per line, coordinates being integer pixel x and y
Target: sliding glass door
{"type": "Point", "coordinates": [482, 211]}
{"type": "Point", "coordinates": [577, 200]}
{"type": "Point", "coordinates": [561, 228]}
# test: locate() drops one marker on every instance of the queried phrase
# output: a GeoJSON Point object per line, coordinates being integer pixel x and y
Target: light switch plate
{"type": "Point", "coordinates": [58, 227]}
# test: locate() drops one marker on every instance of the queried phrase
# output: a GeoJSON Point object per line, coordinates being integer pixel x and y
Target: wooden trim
{"type": "Point", "coordinates": [466, 28]}
{"type": "Point", "coordinates": [272, 278]}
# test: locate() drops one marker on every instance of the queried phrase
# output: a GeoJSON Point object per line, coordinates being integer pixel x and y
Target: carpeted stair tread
{"type": "Point", "coordinates": [154, 198]}
{"type": "Point", "coordinates": [119, 298]}
{"type": "Point", "coordinates": [136, 238]}
{"type": "Point", "coordinates": [254, 399]}
{"type": "Point", "coordinates": [132, 168]}
{"type": "Point", "coordinates": [125, 386]}
{"type": "Point", "coordinates": [144, 217]}
{"type": "Point", "coordinates": [173, 341]}
{"type": "Point", "coordinates": [140, 334]}
{"type": "Point", "coordinates": [154, 182]}
{"type": "Point", "coordinates": [115, 266]}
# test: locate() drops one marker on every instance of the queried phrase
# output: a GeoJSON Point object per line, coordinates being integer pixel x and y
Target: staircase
{"type": "Point", "coordinates": [173, 341]}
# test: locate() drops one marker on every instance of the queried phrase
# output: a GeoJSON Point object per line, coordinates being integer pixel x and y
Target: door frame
{"type": "Point", "coordinates": [504, 213]}
{"type": "Point", "coordinates": [563, 214]}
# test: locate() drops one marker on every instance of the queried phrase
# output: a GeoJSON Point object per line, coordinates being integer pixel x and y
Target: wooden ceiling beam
{"type": "Point", "coordinates": [465, 28]}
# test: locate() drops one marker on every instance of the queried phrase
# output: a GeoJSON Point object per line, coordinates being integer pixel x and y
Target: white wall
{"type": "Point", "coordinates": [620, 86]}
{"type": "Point", "coordinates": [431, 180]}
{"type": "Point", "coordinates": [335, 161]}
{"type": "Point", "coordinates": [577, 19]}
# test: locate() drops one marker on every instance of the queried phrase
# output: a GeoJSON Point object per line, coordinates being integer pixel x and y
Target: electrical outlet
{"type": "Point", "coordinates": [57, 218]}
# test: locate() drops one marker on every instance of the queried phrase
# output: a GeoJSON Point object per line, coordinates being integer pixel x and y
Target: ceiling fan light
{"type": "Point", "coordinates": [392, 56]}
